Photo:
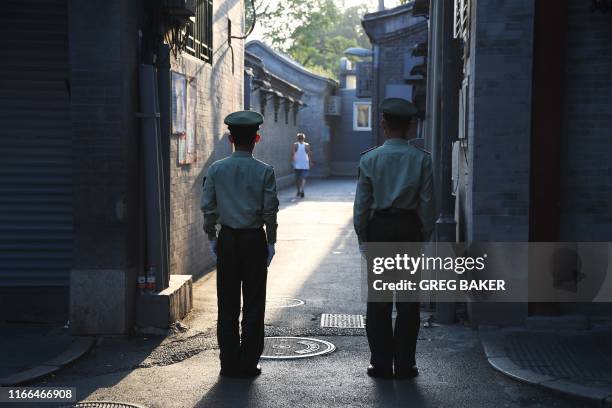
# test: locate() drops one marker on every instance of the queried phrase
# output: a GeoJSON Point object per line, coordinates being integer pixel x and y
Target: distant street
{"type": "Point", "coordinates": [317, 262]}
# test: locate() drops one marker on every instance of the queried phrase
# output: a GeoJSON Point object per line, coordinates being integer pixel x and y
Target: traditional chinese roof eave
{"type": "Point", "coordinates": [290, 63]}
{"type": "Point", "coordinates": [374, 24]}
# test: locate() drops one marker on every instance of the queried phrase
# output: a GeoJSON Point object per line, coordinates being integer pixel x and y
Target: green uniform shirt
{"type": "Point", "coordinates": [394, 175]}
{"type": "Point", "coordinates": [240, 192]}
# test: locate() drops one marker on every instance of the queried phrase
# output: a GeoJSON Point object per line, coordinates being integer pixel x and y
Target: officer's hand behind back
{"type": "Point", "coordinates": [212, 246]}
{"type": "Point", "coordinates": [363, 249]}
{"type": "Point", "coordinates": [271, 253]}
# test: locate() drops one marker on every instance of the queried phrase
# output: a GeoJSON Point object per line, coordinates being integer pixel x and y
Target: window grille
{"type": "Point", "coordinates": [200, 32]}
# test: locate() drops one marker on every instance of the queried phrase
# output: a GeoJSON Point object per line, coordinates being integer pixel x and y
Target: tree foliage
{"type": "Point", "coordinates": [315, 33]}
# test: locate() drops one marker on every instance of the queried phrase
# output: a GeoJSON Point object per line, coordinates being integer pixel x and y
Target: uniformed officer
{"type": "Point", "coordinates": [240, 195]}
{"type": "Point", "coordinates": [394, 203]}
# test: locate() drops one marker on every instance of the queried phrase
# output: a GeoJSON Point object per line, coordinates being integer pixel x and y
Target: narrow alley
{"type": "Point", "coordinates": [317, 263]}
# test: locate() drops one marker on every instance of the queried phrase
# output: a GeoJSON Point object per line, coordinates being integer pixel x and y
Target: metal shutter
{"type": "Point", "coordinates": [35, 144]}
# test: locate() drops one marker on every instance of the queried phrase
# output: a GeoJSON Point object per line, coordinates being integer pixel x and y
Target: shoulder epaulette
{"type": "Point", "coordinates": [369, 150]}
{"type": "Point", "coordinates": [418, 144]}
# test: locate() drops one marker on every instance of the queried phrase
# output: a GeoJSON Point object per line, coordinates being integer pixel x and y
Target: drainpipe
{"type": "Point", "coordinates": [152, 176]}
{"type": "Point", "coordinates": [377, 97]}
{"type": "Point", "coordinates": [449, 109]}
{"type": "Point", "coordinates": [165, 113]}
{"type": "Point", "coordinates": [445, 135]}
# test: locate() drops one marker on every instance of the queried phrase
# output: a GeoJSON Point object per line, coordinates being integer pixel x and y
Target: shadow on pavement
{"type": "Point", "coordinates": [30, 351]}
{"type": "Point", "coordinates": [231, 393]}
{"type": "Point", "coordinates": [390, 393]}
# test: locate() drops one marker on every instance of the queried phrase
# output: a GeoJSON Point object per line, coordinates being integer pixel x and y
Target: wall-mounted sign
{"type": "Point", "coordinates": [187, 144]}
{"type": "Point", "coordinates": [179, 102]}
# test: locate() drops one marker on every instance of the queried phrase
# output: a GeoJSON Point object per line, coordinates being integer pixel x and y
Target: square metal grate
{"type": "Point", "coordinates": [343, 321]}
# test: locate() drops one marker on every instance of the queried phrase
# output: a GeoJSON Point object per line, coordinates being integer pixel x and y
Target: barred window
{"type": "Point", "coordinates": [200, 41]}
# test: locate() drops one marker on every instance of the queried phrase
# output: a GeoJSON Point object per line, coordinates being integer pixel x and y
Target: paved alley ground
{"type": "Point", "coordinates": [317, 261]}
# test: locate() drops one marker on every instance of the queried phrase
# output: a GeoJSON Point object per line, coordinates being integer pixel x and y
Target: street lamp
{"type": "Point", "coordinates": [358, 52]}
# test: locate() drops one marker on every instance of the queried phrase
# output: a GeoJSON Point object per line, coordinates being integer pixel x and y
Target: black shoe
{"type": "Point", "coordinates": [251, 372]}
{"type": "Point", "coordinates": [229, 373]}
{"type": "Point", "coordinates": [302, 194]}
{"type": "Point", "coordinates": [379, 373]}
{"type": "Point", "coordinates": [298, 194]}
{"type": "Point", "coordinates": [406, 374]}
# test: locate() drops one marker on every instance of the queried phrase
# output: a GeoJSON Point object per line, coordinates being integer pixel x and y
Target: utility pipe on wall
{"type": "Point", "coordinates": [152, 174]}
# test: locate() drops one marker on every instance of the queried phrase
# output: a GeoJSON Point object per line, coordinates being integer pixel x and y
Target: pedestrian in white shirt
{"type": "Point", "coordinates": [301, 156]}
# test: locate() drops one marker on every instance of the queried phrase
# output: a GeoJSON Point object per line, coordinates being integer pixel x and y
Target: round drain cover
{"type": "Point", "coordinates": [101, 404]}
{"type": "Point", "coordinates": [284, 348]}
{"type": "Point", "coordinates": [278, 302]}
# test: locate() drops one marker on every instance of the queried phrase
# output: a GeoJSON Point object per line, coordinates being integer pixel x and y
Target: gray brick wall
{"type": "Point", "coordinates": [277, 138]}
{"type": "Point", "coordinates": [312, 121]}
{"type": "Point", "coordinates": [391, 65]}
{"type": "Point", "coordinates": [103, 105]}
{"type": "Point", "coordinates": [393, 34]}
{"type": "Point", "coordinates": [497, 190]}
{"type": "Point", "coordinates": [311, 118]}
{"type": "Point", "coordinates": [347, 144]}
{"type": "Point", "coordinates": [220, 92]}
{"type": "Point", "coordinates": [586, 179]}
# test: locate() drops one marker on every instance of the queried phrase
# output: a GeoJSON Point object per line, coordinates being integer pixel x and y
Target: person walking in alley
{"type": "Point", "coordinates": [239, 193]}
{"type": "Point", "coordinates": [301, 157]}
{"type": "Point", "coordinates": [394, 203]}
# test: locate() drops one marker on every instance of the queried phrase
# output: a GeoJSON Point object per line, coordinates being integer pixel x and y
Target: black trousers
{"type": "Point", "coordinates": [389, 346]}
{"type": "Point", "coordinates": [241, 264]}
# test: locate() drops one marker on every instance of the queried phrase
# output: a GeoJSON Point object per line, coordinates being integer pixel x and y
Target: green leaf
{"type": "Point", "coordinates": [314, 33]}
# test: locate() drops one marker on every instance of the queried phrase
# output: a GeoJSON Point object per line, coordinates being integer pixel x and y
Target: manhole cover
{"type": "Point", "coordinates": [276, 303]}
{"type": "Point", "coordinates": [284, 348]}
{"type": "Point", "coordinates": [342, 321]}
{"type": "Point", "coordinates": [101, 404]}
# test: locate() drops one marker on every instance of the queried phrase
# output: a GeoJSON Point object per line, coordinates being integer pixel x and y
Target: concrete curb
{"type": "Point", "coordinates": [77, 349]}
{"type": "Point", "coordinates": [492, 340]}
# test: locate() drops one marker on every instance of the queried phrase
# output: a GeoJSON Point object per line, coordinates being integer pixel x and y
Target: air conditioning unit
{"type": "Point", "coordinates": [180, 8]}
{"type": "Point", "coordinates": [333, 106]}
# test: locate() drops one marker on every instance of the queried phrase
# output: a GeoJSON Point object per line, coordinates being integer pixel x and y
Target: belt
{"type": "Point", "coordinates": [241, 229]}
{"type": "Point", "coordinates": [395, 211]}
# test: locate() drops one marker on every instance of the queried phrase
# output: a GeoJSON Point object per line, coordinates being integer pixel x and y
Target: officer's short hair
{"type": "Point", "coordinates": [397, 122]}
{"type": "Point", "coordinates": [244, 135]}
{"type": "Point", "coordinates": [301, 135]}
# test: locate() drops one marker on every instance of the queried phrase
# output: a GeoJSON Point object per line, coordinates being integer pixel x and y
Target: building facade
{"type": "Point", "coordinates": [398, 63]}
{"type": "Point", "coordinates": [217, 85]}
{"type": "Point", "coordinates": [280, 102]}
{"type": "Point", "coordinates": [120, 115]}
{"type": "Point", "coordinates": [521, 149]}
{"type": "Point", "coordinates": [353, 127]}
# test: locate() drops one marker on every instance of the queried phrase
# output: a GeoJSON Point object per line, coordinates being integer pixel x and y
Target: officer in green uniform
{"type": "Point", "coordinates": [239, 194]}
{"type": "Point", "coordinates": [394, 203]}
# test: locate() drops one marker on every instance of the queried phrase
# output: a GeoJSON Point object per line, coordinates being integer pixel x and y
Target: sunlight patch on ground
{"type": "Point", "coordinates": [309, 234]}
